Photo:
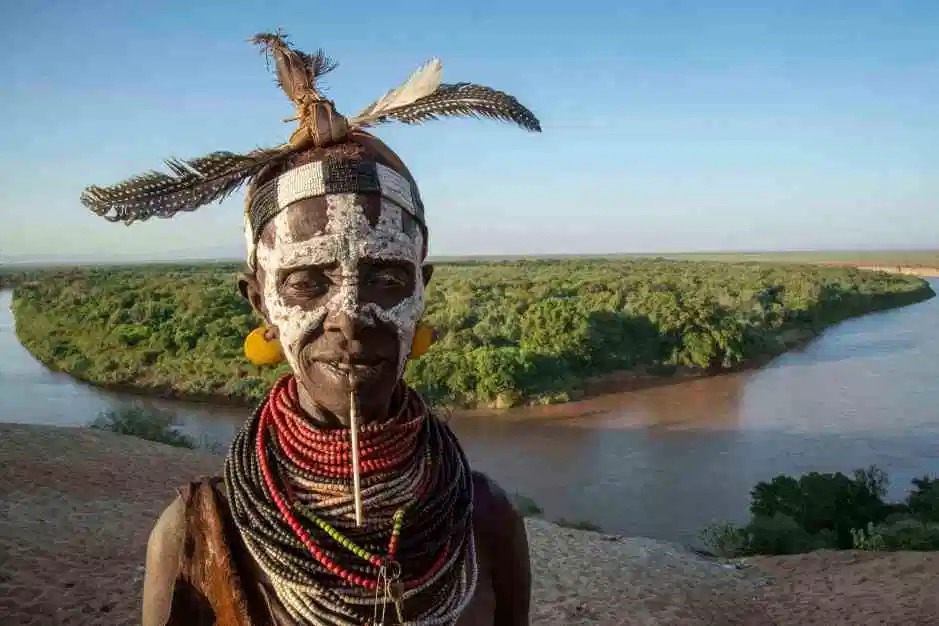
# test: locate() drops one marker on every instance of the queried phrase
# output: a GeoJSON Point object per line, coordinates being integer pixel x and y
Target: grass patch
{"type": "Point", "coordinates": [145, 423]}
{"type": "Point", "coordinates": [526, 507]}
{"type": "Point", "coordinates": [579, 525]}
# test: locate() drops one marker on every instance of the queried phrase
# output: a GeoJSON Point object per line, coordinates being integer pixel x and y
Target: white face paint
{"type": "Point", "coordinates": [346, 241]}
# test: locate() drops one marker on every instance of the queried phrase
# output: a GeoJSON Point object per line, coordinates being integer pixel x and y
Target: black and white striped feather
{"type": "Point", "coordinates": [197, 182]}
{"type": "Point", "coordinates": [454, 100]}
{"type": "Point", "coordinates": [191, 184]}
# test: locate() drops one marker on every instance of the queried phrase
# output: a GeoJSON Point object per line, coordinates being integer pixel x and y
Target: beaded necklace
{"type": "Point", "coordinates": [290, 486]}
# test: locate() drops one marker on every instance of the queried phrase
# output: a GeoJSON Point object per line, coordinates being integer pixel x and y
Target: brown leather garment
{"type": "Point", "coordinates": [199, 572]}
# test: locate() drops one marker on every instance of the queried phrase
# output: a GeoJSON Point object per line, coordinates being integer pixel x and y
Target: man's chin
{"type": "Point", "coordinates": [327, 386]}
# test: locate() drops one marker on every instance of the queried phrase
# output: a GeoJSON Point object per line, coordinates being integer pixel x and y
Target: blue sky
{"type": "Point", "coordinates": [668, 126]}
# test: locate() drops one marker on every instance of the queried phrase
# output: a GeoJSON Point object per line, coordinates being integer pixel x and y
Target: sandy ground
{"type": "Point", "coordinates": [910, 270]}
{"type": "Point", "coordinates": [76, 507]}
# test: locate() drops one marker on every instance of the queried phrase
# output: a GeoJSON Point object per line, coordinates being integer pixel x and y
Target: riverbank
{"type": "Point", "coordinates": [921, 271]}
{"type": "Point", "coordinates": [612, 383]}
{"type": "Point", "coordinates": [77, 507]}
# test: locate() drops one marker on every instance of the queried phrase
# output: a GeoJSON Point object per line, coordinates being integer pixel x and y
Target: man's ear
{"type": "Point", "coordinates": [250, 289]}
{"type": "Point", "coordinates": [428, 271]}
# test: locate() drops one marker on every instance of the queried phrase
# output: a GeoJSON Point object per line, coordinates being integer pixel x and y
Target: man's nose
{"type": "Point", "coordinates": [345, 323]}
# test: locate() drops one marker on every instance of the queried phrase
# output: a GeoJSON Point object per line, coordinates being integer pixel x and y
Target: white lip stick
{"type": "Point", "coordinates": [354, 427]}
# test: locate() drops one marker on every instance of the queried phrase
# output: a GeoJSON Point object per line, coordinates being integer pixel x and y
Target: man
{"type": "Point", "coordinates": [344, 500]}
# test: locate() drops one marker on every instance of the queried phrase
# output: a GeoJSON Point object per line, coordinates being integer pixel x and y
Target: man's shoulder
{"type": "Point", "coordinates": [493, 509]}
{"type": "Point", "coordinates": [502, 538]}
{"type": "Point", "coordinates": [487, 487]}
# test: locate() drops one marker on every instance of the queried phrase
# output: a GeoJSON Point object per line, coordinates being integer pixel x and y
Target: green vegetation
{"type": "Point", "coordinates": [525, 506]}
{"type": "Point", "coordinates": [152, 424]}
{"type": "Point", "coordinates": [149, 424]}
{"type": "Point", "coordinates": [831, 511]}
{"type": "Point", "coordinates": [579, 525]}
{"type": "Point", "coordinates": [14, 275]}
{"type": "Point", "coordinates": [509, 333]}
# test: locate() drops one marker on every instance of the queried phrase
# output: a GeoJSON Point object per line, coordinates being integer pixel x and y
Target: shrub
{"type": "Point", "coordinates": [778, 534]}
{"type": "Point", "coordinates": [726, 540]}
{"type": "Point", "coordinates": [832, 511]}
{"type": "Point", "coordinates": [923, 501]}
{"type": "Point", "coordinates": [526, 507]}
{"type": "Point", "coordinates": [909, 534]}
{"type": "Point", "coordinates": [579, 525]}
{"type": "Point", "coordinates": [869, 539]}
{"type": "Point", "coordinates": [824, 502]}
{"type": "Point", "coordinates": [145, 423]}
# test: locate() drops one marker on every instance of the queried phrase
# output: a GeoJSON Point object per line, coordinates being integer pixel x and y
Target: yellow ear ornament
{"type": "Point", "coordinates": [263, 351]}
{"type": "Point", "coordinates": [260, 350]}
{"type": "Point", "coordinates": [423, 337]}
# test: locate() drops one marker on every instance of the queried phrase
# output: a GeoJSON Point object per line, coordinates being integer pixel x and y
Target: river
{"type": "Point", "coordinates": [660, 462]}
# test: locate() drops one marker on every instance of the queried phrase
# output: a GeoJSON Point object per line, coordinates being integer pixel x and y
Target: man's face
{"type": "Point", "coordinates": [341, 280]}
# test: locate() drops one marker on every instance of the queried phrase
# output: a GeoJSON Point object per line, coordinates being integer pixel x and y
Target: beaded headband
{"type": "Point", "coordinates": [196, 182]}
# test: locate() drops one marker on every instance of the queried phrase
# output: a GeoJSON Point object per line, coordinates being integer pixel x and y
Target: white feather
{"type": "Point", "coordinates": [422, 82]}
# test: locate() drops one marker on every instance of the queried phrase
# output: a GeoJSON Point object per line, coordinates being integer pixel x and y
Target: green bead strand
{"type": "Point", "coordinates": [338, 537]}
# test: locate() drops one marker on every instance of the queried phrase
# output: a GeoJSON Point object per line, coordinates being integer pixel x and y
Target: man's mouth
{"type": "Point", "coordinates": [359, 369]}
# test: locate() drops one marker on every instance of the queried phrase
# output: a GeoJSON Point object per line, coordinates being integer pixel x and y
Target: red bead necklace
{"type": "Point", "coordinates": [384, 449]}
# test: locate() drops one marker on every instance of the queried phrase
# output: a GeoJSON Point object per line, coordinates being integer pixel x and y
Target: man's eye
{"type": "Point", "coordinates": [305, 283]}
{"type": "Point", "coordinates": [389, 278]}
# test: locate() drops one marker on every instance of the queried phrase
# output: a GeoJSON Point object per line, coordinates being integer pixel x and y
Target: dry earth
{"type": "Point", "coordinates": [76, 507]}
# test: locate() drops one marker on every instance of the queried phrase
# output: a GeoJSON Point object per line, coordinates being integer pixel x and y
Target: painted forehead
{"type": "Point", "coordinates": [310, 218]}
{"type": "Point", "coordinates": [339, 227]}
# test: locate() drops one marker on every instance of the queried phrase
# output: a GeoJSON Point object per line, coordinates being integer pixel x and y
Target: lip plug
{"type": "Point", "coordinates": [354, 430]}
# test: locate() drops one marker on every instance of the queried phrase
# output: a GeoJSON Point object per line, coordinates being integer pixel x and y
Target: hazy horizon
{"type": "Point", "coordinates": [202, 256]}
{"type": "Point", "coordinates": [678, 127]}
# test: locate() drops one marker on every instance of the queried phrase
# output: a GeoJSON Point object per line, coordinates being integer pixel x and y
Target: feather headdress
{"type": "Point", "coordinates": [196, 182]}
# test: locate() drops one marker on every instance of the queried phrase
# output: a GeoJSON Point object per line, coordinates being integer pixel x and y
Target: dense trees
{"type": "Point", "coordinates": [510, 332]}
{"type": "Point", "coordinates": [792, 515]}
